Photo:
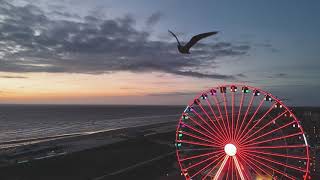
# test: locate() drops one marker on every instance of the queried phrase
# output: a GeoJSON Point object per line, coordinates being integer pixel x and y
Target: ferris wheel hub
{"type": "Point", "coordinates": [230, 149]}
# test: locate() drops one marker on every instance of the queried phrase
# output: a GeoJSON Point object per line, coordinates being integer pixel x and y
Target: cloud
{"type": "Point", "coordinates": [241, 75]}
{"type": "Point", "coordinates": [64, 14]}
{"type": "Point", "coordinates": [268, 46]}
{"type": "Point", "coordinates": [174, 94]}
{"type": "Point", "coordinates": [282, 75]}
{"type": "Point", "coordinates": [33, 41]}
{"type": "Point", "coordinates": [202, 75]}
{"type": "Point", "coordinates": [13, 77]}
{"type": "Point", "coordinates": [278, 75]}
{"type": "Point", "coordinates": [153, 19]}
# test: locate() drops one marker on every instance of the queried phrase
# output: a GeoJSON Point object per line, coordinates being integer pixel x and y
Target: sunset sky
{"type": "Point", "coordinates": [120, 52]}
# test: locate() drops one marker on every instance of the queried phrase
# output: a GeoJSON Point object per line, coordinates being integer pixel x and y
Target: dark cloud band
{"type": "Point", "coordinates": [31, 41]}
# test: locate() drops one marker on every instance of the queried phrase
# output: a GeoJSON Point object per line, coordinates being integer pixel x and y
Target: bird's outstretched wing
{"type": "Point", "coordinates": [174, 36]}
{"type": "Point", "coordinates": [198, 37]}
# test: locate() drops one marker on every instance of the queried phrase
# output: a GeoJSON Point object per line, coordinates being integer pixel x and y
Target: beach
{"type": "Point", "coordinates": [116, 154]}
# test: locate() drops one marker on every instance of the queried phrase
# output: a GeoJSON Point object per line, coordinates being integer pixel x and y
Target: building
{"type": "Point", "coordinates": [310, 121]}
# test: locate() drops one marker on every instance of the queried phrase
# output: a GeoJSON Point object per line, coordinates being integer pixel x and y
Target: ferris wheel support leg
{"type": "Point", "coordinates": [238, 167]}
{"type": "Point", "coordinates": [221, 167]}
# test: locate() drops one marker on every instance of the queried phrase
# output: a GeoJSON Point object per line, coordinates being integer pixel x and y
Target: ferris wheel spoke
{"type": "Point", "coordinates": [277, 147]}
{"type": "Point", "coordinates": [245, 162]}
{"type": "Point", "coordinates": [221, 116]}
{"type": "Point", "coordinates": [220, 133]}
{"type": "Point", "coordinates": [207, 133]}
{"type": "Point", "coordinates": [272, 131]}
{"type": "Point", "coordinates": [220, 168]}
{"type": "Point", "coordinates": [275, 162]}
{"type": "Point", "coordinates": [275, 139]}
{"type": "Point", "coordinates": [204, 121]}
{"type": "Point", "coordinates": [214, 167]}
{"type": "Point", "coordinates": [271, 167]}
{"type": "Point", "coordinates": [228, 167]}
{"type": "Point", "coordinates": [208, 165]}
{"type": "Point", "coordinates": [239, 114]}
{"type": "Point", "coordinates": [196, 149]}
{"type": "Point", "coordinates": [249, 161]}
{"type": "Point", "coordinates": [199, 131]}
{"type": "Point", "coordinates": [254, 114]}
{"type": "Point", "coordinates": [226, 114]}
{"type": "Point", "coordinates": [232, 170]}
{"type": "Point", "coordinates": [232, 115]}
{"type": "Point", "coordinates": [199, 138]}
{"type": "Point", "coordinates": [202, 127]}
{"type": "Point", "coordinates": [197, 143]}
{"type": "Point", "coordinates": [201, 155]}
{"type": "Point", "coordinates": [245, 115]}
{"type": "Point", "coordinates": [238, 168]}
{"type": "Point", "coordinates": [217, 120]}
{"type": "Point", "coordinates": [275, 154]}
{"type": "Point", "coordinates": [200, 162]}
{"type": "Point", "coordinates": [262, 118]}
{"type": "Point", "coordinates": [262, 128]}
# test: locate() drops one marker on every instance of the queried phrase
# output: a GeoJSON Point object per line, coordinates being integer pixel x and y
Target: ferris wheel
{"type": "Point", "coordinates": [240, 132]}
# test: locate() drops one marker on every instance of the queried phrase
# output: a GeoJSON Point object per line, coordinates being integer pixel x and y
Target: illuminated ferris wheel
{"type": "Point", "coordinates": [240, 132]}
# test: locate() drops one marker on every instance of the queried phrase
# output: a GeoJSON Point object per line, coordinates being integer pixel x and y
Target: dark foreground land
{"type": "Point", "coordinates": [133, 153]}
{"type": "Point", "coordinates": [145, 157]}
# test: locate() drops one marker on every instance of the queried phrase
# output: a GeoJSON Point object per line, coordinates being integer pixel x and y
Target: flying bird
{"type": "Point", "coordinates": [185, 49]}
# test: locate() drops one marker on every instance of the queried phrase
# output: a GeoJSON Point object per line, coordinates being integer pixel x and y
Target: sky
{"type": "Point", "coordinates": [120, 52]}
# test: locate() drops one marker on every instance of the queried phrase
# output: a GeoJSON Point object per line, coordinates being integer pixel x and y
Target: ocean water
{"type": "Point", "coordinates": [21, 122]}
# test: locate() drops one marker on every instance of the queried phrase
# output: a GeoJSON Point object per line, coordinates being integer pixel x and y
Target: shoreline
{"type": "Point", "coordinates": [122, 159]}
{"type": "Point", "coordinates": [41, 148]}
{"type": "Point", "coordinates": [18, 142]}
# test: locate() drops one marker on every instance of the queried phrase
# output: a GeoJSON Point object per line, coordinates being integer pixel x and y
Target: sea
{"type": "Point", "coordinates": [23, 122]}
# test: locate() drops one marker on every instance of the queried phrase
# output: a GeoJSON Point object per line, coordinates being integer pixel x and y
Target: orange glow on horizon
{"type": "Point", "coordinates": [55, 87]}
